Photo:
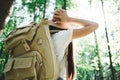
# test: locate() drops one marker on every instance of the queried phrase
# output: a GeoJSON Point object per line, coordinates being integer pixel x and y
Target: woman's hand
{"type": "Point", "coordinates": [60, 16]}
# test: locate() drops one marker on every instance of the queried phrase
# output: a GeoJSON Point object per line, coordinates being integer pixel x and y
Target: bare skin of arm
{"type": "Point", "coordinates": [88, 27]}
{"type": "Point", "coordinates": [62, 20]}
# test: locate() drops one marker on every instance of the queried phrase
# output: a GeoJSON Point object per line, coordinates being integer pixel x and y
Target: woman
{"type": "Point", "coordinates": [64, 37]}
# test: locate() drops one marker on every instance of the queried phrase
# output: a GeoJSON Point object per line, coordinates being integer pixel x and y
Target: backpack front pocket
{"type": "Point", "coordinates": [22, 67]}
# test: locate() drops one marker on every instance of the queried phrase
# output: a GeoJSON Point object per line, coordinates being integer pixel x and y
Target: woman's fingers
{"type": "Point", "coordinates": [60, 11]}
{"type": "Point", "coordinates": [60, 16]}
{"type": "Point", "coordinates": [57, 16]}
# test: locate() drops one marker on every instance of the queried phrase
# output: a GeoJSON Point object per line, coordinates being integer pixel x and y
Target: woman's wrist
{"type": "Point", "coordinates": [70, 20]}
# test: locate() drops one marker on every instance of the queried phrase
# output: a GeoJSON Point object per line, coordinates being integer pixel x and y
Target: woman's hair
{"type": "Point", "coordinates": [71, 65]}
{"type": "Point", "coordinates": [5, 6]}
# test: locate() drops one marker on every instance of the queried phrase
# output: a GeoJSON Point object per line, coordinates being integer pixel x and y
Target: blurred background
{"type": "Point", "coordinates": [97, 55]}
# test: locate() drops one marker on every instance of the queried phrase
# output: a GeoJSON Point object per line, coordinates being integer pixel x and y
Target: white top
{"type": "Point", "coordinates": [61, 41]}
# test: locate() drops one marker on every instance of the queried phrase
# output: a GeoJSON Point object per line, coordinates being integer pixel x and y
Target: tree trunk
{"type": "Point", "coordinates": [64, 6]}
{"type": "Point", "coordinates": [44, 9]}
{"type": "Point", "coordinates": [109, 50]}
{"type": "Point", "coordinates": [99, 60]}
{"type": "Point", "coordinates": [34, 18]}
{"type": "Point", "coordinates": [97, 52]}
{"type": "Point", "coordinates": [5, 6]}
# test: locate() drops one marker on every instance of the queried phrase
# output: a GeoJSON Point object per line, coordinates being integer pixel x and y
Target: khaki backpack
{"type": "Point", "coordinates": [31, 53]}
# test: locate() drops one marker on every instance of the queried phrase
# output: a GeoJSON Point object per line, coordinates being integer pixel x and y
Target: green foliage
{"type": "Point", "coordinates": [3, 57]}
{"type": "Point", "coordinates": [60, 4]}
{"type": "Point", "coordinates": [85, 54]}
{"type": "Point", "coordinates": [35, 8]}
{"type": "Point", "coordinates": [84, 73]}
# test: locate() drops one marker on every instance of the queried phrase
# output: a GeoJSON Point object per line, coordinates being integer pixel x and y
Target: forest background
{"type": "Point", "coordinates": [97, 55]}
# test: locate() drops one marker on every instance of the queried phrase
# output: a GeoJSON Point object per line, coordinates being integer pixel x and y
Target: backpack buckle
{"type": "Point", "coordinates": [26, 46]}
